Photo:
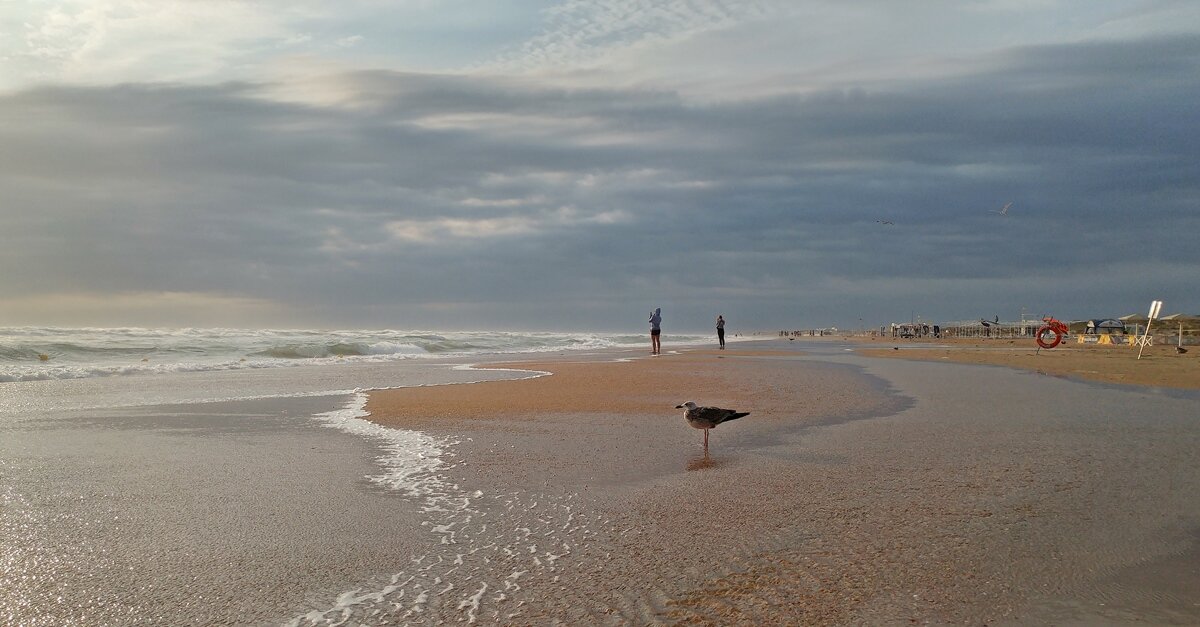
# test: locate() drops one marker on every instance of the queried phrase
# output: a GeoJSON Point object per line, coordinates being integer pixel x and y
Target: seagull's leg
{"type": "Point", "coordinates": [706, 439]}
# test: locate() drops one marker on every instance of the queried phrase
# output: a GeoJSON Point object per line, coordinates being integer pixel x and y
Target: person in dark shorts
{"type": "Point", "coordinates": [721, 331]}
{"type": "Point", "coordinates": [655, 331]}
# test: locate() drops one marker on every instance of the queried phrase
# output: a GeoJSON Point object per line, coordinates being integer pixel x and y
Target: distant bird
{"type": "Point", "coordinates": [1003, 210]}
{"type": "Point", "coordinates": [1181, 350]}
{"type": "Point", "coordinates": [886, 222]}
{"type": "Point", "coordinates": [708, 417]}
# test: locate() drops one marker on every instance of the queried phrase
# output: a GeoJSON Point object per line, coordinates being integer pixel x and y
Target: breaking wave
{"type": "Point", "coordinates": [46, 353]}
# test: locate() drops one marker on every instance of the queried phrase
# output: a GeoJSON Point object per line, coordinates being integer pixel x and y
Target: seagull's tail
{"type": "Point", "coordinates": [736, 415]}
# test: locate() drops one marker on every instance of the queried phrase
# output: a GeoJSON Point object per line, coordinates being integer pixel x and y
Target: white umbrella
{"type": "Point", "coordinates": [1134, 318]}
{"type": "Point", "coordinates": [1181, 319]}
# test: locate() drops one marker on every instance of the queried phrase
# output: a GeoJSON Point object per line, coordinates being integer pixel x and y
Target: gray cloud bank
{"type": "Point", "coordinates": [417, 200]}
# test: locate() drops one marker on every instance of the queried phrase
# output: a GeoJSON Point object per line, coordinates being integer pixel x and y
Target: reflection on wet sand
{"type": "Point", "coordinates": [702, 462]}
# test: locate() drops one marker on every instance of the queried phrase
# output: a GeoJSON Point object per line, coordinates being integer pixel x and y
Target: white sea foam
{"type": "Point", "coordinates": [410, 459]}
{"type": "Point", "coordinates": [469, 574]}
{"type": "Point", "coordinates": [410, 462]}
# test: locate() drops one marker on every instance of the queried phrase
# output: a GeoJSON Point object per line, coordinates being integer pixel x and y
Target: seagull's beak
{"type": "Point", "coordinates": [679, 407]}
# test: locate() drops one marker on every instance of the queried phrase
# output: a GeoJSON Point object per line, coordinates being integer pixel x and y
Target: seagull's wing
{"type": "Point", "coordinates": [717, 415]}
{"type": "Point", "coordinates": [734, 415]}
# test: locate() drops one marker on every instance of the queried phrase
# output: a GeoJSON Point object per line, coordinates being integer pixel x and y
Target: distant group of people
{"type": "Point", "coordinates": [804, 332]}
{"type": "Point", "coordinates": [656, 331]}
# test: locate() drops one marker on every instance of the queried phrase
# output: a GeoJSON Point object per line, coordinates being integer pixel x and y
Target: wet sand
{"type": "Point", "coordinates": [858, 491]}
{"type": "Point", "coordinates": [219, 514]}
{"type": "Point", "coordinates": [1158, 366]}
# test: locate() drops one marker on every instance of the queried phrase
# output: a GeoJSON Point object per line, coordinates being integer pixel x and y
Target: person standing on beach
{"type": "Point", "coordinates": [721, 331]}
{"type": "Point", "coordinates": [655, 331]}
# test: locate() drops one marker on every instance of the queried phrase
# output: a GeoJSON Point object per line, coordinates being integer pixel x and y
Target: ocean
{"type": "Point", "coordinates": [44, 368]}
{"type": "Point", "coordinates": [42, 353]}
{"type": "Point", "coordinates": [147, 473]}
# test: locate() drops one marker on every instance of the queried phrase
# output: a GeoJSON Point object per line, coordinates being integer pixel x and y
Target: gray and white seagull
{"type": "Point", "coordinates": [708, 417]}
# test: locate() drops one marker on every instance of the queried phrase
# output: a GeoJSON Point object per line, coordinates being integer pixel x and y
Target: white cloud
{"type": "Point", "coordinates": [705, 49]}
{"type": "Point", "coordinates": [443, 230]}
{"type": "Point", "coordinates": [100, 41]}
{"type": "Point", "coordinates": [503, 202]}
{"type": "Point", "coordinates": [439, 230]}
{"type": "Point", "coordinates": [581, 33]}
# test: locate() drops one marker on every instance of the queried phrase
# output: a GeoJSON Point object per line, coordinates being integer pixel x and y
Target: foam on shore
{"type": "Point", "coordinates": [410, 459]}
{"type": "Point", "coordinates": [481, 553]}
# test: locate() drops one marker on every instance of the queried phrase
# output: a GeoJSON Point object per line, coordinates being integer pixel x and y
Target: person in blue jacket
{"type": "Point", "coordinates": [656, 331]}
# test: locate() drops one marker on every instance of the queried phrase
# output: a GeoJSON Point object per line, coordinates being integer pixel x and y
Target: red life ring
{"type": "Point", "coordinates": [1048, 329]}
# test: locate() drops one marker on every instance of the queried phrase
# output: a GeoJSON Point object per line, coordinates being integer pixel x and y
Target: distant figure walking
{"type": "Point", "coordinates": [656, 331]}
{"type": "Point", "coordinates": [721, 331]}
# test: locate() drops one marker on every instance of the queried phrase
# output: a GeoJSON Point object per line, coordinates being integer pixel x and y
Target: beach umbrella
{"type": "Point", "coordinates": [1182, 320]}
{"type": "Point", "coordinates": [1134, 319]}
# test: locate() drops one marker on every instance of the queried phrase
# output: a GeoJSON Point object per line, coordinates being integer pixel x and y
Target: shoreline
{"type": "Point", "coordinates": [857, 491]}
{"type": "Point", "coordinates": [606, 397]}
{"type": "Point", "coordinates": [601, 441]}
{"type": "Point", "coordinates": [952, 501]}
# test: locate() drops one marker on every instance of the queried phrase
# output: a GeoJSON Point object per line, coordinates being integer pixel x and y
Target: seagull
{"type": "Point", "coordinates": [708, 417]}
{"type": "Point", "coordinates": [1003, 210]}
{"type": "Point", "coordinates": [885, 222]}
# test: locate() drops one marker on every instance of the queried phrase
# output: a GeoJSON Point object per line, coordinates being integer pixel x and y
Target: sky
{"type": "Point", "coordinates": [571, 165]}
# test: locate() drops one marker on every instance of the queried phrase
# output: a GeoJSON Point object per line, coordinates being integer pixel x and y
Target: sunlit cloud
{"type": "Point", "coordinates": [442, 230]}
{"type": "Point", "coordinates": [97, 41]}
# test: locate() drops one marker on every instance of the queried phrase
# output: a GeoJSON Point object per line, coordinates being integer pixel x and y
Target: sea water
{"type": "Point", "coordinates": [41, 353]}
{"type": "Point", "coordinates": [165, 466]}
{"type": "Point", "coordinates": [43, 368]}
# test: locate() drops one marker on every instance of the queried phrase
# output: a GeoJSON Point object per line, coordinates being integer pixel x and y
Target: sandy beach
{"type": "Point", "coordinates": [859, 490]}
{"type": "Point", "coordinates": [1160, 366]}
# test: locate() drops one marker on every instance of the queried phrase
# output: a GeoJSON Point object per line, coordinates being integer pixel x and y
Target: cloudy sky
{"type": "Point", "coordinates": [569, 165]}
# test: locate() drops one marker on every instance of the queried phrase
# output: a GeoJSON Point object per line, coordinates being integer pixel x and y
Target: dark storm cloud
{"type": "Point", "coordinates": [503, 200]}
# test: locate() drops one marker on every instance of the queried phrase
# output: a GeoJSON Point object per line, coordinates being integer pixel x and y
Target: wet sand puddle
{"type": "Point", "coordinates": [485, 550]}
{"type": "Point", "coordinates": [27, 568]}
